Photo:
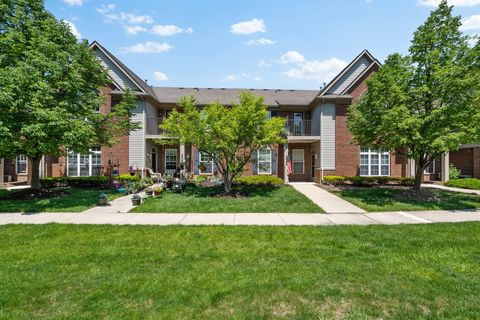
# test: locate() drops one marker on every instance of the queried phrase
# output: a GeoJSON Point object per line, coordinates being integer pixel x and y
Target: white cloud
{"type": "Point", "coordinates": [458, 3]}
{"type": "Point", "coordinates": [291, 57]}
{"type": "Point", "coordinates": [257, 78]}
{"type": "Point", "coordinates": [169, 30]}
{"type": "Point", "coordinates": [260, 42]}
{"type": "Point", "coordinates": [235, 77]}
{"type": "Point", "coordinates": [133, 30]}
{"type": "Point", "coordinates": [321, 71]}
{"type": "Point", "coordinates": [264, 64]}
{"type": "Point", "coordinates": [248, 27]}
{"type": "Point", "coordinates": [106, 8]}
{"type": "Point", "coordinates": [74, 2]}
{"type": "Point", "coordinates": [230, 77]}
{"type": "Point", "coordinates": [73, 29]}
{"type": "Point", "coordinates": [159, 76]}
{"type": "Point", "coordinates": [148, 47]}
{"type": "Point", "coordinates": [471, 23]}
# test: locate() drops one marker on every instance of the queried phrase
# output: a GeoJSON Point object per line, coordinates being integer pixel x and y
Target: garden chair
{"type": "Point", "coordinates": [154, 175]}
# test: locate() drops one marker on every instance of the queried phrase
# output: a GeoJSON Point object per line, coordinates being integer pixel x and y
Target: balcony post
{"type": "Point", "coordinates": [182, 157]}
{"type": "Point", "coordinates": [445, 167]}
{"type": "Point", "coordinates": [285, 163]}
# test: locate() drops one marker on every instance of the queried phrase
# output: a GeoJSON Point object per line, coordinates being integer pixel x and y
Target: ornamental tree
{"type": "Point", "coordinates": [426, 102]}
{"type": "Point", "coordinates": [229, 135]}
{"type": "Point", "coordinates": [50, 83]}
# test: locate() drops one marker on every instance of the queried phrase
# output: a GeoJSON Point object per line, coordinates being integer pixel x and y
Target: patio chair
{"type": "Point", "coordinates": [154, 175]}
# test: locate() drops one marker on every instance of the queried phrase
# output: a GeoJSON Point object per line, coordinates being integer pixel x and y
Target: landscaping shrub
{"type": "Point", "coordinates": [368, 181]}
{"type": "Point", "coordinates": [259, 180]}
{"type": "Point", "coordinates": [78, 182]}
{"type": "Point", "coordinates": [470, 183]}
{"type": "Point", "coordinates": [200, 179]}
{"type": "Point", "coordinates": [126, 177]}
{"type": "Point", "coordinates": [454, 173]}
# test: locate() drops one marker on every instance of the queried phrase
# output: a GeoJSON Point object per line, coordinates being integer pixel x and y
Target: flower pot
{"type": "Point", "coordinates": [102, 201]}
{"type": "Point", "coordinates": [136, 202]}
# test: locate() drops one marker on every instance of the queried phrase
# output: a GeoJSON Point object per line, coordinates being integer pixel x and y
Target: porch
{"type": "Point", "coordinates": [166, 159]}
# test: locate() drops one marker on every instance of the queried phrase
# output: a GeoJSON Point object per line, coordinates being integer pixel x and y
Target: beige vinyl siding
{"type": "Point", "coordinates": [352, 74]}
{"type": "Point", "coordinates": [136, 139]}
{"type": "Point", "coordinates": [328, 136]}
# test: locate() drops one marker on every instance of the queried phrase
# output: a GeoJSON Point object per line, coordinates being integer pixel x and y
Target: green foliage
{"type": "Point", "coordinates": [230, 135]}
{"type": "Point", "coordinates": [50, 88]}
{"type": "Point", "coordinates": [78, 182]}
{"type": "Point", "coordinates": [453, 172]}
{"type": "Point", "coordinates": [368, 181]}
{"type": "Point", "coordinates": [260, 180]}
{"type": "Point", "coordinates": [469, 183]}
{"type": "Point", "coordinates": [200, 179]}
{"type": "Point", "coordinates": [126, 177]}
{"type": "Point", "coordinates": [425, 103]}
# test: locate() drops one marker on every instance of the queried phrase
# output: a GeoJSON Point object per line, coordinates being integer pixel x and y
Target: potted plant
{"type": "Point", "coordinates": [102, 200]}
{"type": "Point", "coordinates": [157, 191]}
{"type": "Point", "coordinates": [182, 165]}
{"type": "Point", "coordinates": [136, 199]}
{"type": "Point", "coordinates": [149, 192]}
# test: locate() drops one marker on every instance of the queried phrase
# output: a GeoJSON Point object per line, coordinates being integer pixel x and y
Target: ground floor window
{"type": "Point", "coordinates": [21, 164]}
{"type": "Point", "coordinates": [374, 162]}
{"type": "Point", "coordinates": [298, 161]}
{"type": "Point", "coordinates": [430, 169]}
{"type": "Point", "coordinates": [170, 159]}
{"type": "Point", "coordinates": [207, 163]}
{"type": "Point", "coordinates": [264, 161]}
{"type": "Point", "coordinates": [83, 165]}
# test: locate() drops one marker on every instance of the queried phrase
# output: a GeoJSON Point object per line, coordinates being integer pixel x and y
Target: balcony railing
{"type": "Point", "coordinates": [300, 127]}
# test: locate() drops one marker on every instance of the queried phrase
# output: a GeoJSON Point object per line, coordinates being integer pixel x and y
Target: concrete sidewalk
{"type": "Point", "coordinates": [441, 187]}
{"type": "Point", "coordinates": [329, 202]}
{"type": "Point", "coordinates": [236, 219]}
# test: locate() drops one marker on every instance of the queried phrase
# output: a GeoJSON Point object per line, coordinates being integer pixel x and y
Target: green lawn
{"type": "Point", "coordinates": [380, 199]}
{"type": "Point", "coordinates": [75, 200]}
{"type": "Point", "coordinates": [140, 272]}
{"type": "Point", "coordinates": [259, 199]}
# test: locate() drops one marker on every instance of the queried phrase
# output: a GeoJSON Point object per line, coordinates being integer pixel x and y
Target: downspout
{"type": "Point", "coordinates": [321, 144]}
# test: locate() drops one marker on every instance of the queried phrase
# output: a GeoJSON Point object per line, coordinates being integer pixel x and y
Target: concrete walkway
{"type": "Point", "coordinates": [324, 199]}
{"type": "Point", "coordinates": [119, 205]}
{"type": "Point", "coordinates": [439, 186]}
{"type": "Point", "coordinates": [235, 219]}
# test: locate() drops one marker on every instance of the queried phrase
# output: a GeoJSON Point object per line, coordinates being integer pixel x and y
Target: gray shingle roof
{"type": "Point", "coordinates": [273, 97]}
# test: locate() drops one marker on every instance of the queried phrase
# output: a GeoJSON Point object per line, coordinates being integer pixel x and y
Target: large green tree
{"type": "Point", "coordinates": [425, 103]}
{"type": "Point", "coordinates": [228, 134]}
{"type": "Point", "coordinates": [50, 84]}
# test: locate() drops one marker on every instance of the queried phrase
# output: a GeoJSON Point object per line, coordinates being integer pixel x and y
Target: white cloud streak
{"type": "Point", "coordinates": [248, 27]}
{"type": "Point", "coordinates": [160, 76]}
{"type": "Point", "coordinates": [260, 42]}
{"type": "Point", "coordinates": [148, 47]}
{"type": "Point", "coordinates": [471, 23]}
{"type": "Point", "coordinates": [457, 3]}
{"type": "Point", "coordinates": [74, 2]}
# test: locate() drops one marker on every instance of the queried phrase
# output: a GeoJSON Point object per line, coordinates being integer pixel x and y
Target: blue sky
{"type": "Point", "coordinates": [249, 43]}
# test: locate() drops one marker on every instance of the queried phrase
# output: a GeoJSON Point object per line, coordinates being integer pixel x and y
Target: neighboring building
{"type": "Point", "coordinates": [318, 142]}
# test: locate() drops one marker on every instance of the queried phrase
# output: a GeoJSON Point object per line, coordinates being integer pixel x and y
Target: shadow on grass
{"type": "Point", "coordinates": [389, 199]}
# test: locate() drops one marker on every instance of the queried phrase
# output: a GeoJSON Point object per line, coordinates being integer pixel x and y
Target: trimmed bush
{"type": "Point", "coordinates": [126, 177]}
{"type": "Point", "coordinates": [453, 172]}
{"type": "Point", "coordinates": [78, 182]}
{"type": "Point", "coordinates": [467, 183]}
{"type": "Point", "coordinates": [259, 180]}
{"type": "Point", "coordinates": [368, 181]}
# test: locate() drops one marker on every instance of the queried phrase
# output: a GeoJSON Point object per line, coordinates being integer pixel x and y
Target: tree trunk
{"type": "Point", "coordinates": [227, 183]}
{"type": "Point", "coordinates": [418, 178]}
{"type": "Point", "coordinates": [35, 172]}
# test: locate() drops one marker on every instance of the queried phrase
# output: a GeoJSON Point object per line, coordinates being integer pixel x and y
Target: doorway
{"type": "Point", "coordinates": [154, 160]}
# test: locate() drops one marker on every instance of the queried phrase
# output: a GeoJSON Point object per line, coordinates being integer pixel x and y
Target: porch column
{"type": "Point", "coordinates": [182, 157]}
{"type": "Point", "coordinates": [445, 166]}
{"type": "Point", "coordinates": [2, 185]}
{"type": "Point", "coordinates": [285, 163]}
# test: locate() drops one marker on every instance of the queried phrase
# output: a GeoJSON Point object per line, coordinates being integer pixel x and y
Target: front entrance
{"type": "Point", "coordinates": [154, 159]}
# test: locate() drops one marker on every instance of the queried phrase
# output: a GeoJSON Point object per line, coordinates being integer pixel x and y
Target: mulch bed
{"type": "Point", "coordinates": [34, 194]}
{"type": "Point", "coordinates": [422, 195]}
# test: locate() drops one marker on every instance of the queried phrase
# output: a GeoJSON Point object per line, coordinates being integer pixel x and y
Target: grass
{"type": "Point", "coordinates": [467, 183]}
{"type": "Point", "coordinates": [146, 272]}
{"type": "Point", "coordinates": [75, 200]}
{"type": "Point", "coordinates": [260, 199]}
{"type": "Point", "coordinates": [381, 199]}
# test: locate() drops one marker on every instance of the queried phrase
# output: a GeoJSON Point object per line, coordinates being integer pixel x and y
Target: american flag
{"type": "Point", "coordinates": [289, 165]}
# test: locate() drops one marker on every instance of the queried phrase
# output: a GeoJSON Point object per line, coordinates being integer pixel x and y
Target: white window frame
{"type": "Point", "coordinates": [432, 164]}
{"type": "Point", "coordinates": [208, 162]}
{"type": "Point", "coordinates": [83, 156]}
{"type": "Point", "coordinates": [170, 162]}
{"type": "Point", "coordinates": [379, 153]}
{"type": "Point", "coordinates": [23, 159]}
{"type": "Point", "coordinates": [303, 161]}
{"type": "Point", "coordinates": [269, 161]}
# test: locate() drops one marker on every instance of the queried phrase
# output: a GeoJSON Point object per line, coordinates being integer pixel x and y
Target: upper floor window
{"type": "Point", "coordinates": [264, 161]}
{"type": "Point", "coordinates": [21, 164]}
{"type": "Point", "coordinates": [374, 162]}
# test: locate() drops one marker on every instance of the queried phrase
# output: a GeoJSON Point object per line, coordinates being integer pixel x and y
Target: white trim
{"type": "Point", "coordinates": [360, 76]}
{"type": "Point", "coordinates": [200, 155]}
{"type": "Point", "coordinates": [258, 161]}
{"type": "Point", "coordinates": [90, 162]}
{"type": "Point", "coordinates": [96, 44]}
{"type": "Point", "coordinates": [363, 53]}
{"type": "Point", "coordinates": [26, 166]}
{"type": "Point", "coordinates": [303, 161]}
{"type": "Point", "coordinates": [433, 166]}
{"type": "Point", "coordinates": [176, 159]}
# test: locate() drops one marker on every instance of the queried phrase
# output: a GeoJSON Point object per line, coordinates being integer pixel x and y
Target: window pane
{"type": "Point", "coordinates": [297, 155]}
{"type": "Point", "coordinates": [385, 159]}
{"type": "Point", "coordinates": [374, 171]}
{"type": "Point", "coordinates": [364, 159]}
{"type": "Point", "coordinates": [374, 159]}
{"type": "Point", "coordinates": [363, 149]}
{"type": "Point", "coordinates": [264, 167]}
{"type": "Point", "coordinates": [298, 167]}
{"type": "Point", "coordinates": [170, 159]}
{"type": "Point", "coordinates": [364, 170]}
{"type": "Point", "coordinates": [384, 170]}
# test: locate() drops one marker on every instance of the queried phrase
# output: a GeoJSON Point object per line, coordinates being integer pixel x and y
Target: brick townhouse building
{"type": "Point", "coordinates": [318, 141]}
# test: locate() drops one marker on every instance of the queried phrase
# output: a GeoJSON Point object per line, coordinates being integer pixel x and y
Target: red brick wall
{"type": "Point", "coordinates": [463, 160]}
{"type": "Point", "coordinates": [307, 171]}
{"type": "Point", "coordinates": [476, 163]}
